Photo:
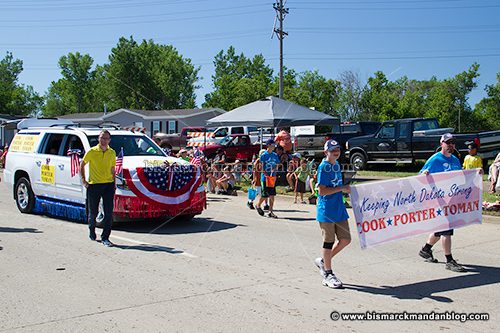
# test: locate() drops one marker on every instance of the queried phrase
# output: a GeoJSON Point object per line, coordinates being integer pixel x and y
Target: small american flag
{"type": "Point", "coordinates": [195, 160]}
{"type": "Point", "coordinates": [119, 163]}
{"type": "Point", "coordinates": [74, 161]}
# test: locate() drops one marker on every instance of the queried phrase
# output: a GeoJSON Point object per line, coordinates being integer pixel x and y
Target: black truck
{"type": "Point", "coordinates": [406, 140]}
{"type": "Point", "coordinates": [312, 145]}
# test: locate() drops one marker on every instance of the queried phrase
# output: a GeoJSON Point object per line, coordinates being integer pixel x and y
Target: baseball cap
{"type": "Point", "coordinates": [262, 151]}
{"type": "Point", "coordinates": [447, 137]}
{"type": "Point", "coordinates": [270, 142]}
{"type": "Point", "coordinates": [331, 145]}
{"type": "Point", "coordinates": [297, 155]}
{"type": "Point", "coordinates": [473, 145]}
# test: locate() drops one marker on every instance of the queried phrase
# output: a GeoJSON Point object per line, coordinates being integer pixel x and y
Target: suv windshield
{"type": "Point", "coordinates": [133, 145]}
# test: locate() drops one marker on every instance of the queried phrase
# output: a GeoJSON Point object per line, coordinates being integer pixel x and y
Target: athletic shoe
{"type": "Point", "coordinates": [427, 255]}
{"type": "Point", "coordinates": [260, 211]}
{"type": "Point", "coordinates": [321, 266]}
{"type": "Point", "coordinates": [250, 205]}
{"type": "Point", "coordinates": [330, 280]}
{"type": "Point", "coordinates": [92, 235]}
{"type": "Point", "coordinates": [272, 215]}
{"type": "Point", "coordinates": [107, 243]}
{"type": "Point", "coordinates": [455, 267]}
{"type": "Point", "coordinates": [266, 207]}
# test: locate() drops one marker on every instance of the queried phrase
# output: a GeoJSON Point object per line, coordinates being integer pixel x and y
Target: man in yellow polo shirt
{"type": "Point", "coordinates": [101, 184]}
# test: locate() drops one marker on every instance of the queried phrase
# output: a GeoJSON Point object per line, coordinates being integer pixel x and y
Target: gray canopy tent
{"type": "Point", "coordinates": [272, 112]}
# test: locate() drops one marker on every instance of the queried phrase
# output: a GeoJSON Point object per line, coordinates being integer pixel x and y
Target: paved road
{"type": "Point", "coordinates": [230, 270]}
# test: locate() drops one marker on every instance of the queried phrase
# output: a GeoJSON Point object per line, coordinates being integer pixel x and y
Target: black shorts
{"type": "Point", "coordinates": [268, 191]}
{"type": "Point", "coordinates": [444, 233]}
{"type": "Point", "coordinates": [300, 187]}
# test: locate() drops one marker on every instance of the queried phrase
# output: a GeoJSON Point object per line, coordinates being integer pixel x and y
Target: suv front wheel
{"type": "Point", "coordinates": [25, 198]}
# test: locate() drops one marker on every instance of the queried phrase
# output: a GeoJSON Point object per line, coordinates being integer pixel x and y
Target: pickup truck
{"type": "Point", "coordinates": [221, 132]}
{"type": "Point", "coordinates": [177, 140]}
{"type": "Point", "coordinates": [311, 145]}
{"type": "Point", "coordinates": [235, 146]}
{"type": "Point", "coordinates": [406, 140]}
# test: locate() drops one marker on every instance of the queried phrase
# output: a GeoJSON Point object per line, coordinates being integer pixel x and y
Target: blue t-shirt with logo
{"type": "Point", "coordinates": [330, 208]}
{"type": "Point", "coordinates": [269, 162]}
{"type": "Point", "coordinates": [440, 163]}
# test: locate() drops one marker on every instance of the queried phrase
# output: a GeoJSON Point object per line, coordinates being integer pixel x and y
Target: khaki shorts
{"type": "Point", "coordinates": [330, 229]}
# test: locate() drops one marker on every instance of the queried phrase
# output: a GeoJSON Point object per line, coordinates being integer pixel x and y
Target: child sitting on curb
{"type": "Point", "coordinates": [226, 182]}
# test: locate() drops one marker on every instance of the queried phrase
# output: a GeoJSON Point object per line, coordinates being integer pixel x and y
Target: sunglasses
{"type": "Point", "coordinates": [450, 142]}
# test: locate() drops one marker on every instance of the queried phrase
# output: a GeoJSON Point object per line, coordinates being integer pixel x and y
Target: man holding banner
{"type": "Point", "coordinates": [442, 161]}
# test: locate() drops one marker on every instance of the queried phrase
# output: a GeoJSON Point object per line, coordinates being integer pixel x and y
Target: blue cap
{"type": "Point", "coordinates": [270, 142]}
{"type": "Point", "coordinates": [331, 145]}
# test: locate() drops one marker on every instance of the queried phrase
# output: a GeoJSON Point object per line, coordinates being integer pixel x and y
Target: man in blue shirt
{"type": "Point", "coordinates": [331, 212]}
{"type": "Point", "coordinates": [442, 161]}
{"type": "Point", "coordinates": [269, 161]}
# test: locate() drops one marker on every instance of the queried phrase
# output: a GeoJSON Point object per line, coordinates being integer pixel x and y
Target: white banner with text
{"type": "Point", "coordinates": [390, 210]}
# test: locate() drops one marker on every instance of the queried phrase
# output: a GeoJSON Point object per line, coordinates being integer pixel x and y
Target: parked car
{"type": "Point", "coordinates": [39, 175]}
{"type": "Point", "coordinates": [311, 145]}
{"type": "Point", "coordinates": [236, 147]}
{"type": "Point", "coordinates": [178, 140]}
{"type": "Point", "coordinates": [405, 140]}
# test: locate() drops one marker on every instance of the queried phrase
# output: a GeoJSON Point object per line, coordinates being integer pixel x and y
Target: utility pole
{"type": "Point", "coordinates": [281, 11]}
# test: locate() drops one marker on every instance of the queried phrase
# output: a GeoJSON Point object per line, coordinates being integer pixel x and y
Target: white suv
{"type": "Point", "coordinates": [39, 173]}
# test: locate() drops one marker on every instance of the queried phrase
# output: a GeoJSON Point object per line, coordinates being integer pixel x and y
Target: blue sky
{"type": "Point", "coordinates": [416, 38]}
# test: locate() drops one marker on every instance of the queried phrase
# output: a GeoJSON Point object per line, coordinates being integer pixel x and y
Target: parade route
{"type": "Point", "coordinates": [232, 270]}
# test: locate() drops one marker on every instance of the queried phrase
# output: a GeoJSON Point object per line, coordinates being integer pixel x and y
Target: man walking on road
{"type": "Point", "coordinates": [442, 161]}
{"type": "Point", "coordinates": [101, 184]}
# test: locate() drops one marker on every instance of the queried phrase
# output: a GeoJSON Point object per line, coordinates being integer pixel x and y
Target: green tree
{"type": "Point", "coordinates": [489, 107]}
{"type": "Point", "coordinates": [74, 92]}
{"type": "Point", "coordinates": [448, 101]}
{"type": "Point", "coordinates": [238, 80]}
{"type": "Point", "coordinates": [379, 99]}
{"type": "Point", "coordinates": [15, 98]}
{"type": "Point", "coordinates": [315, 91]}
{"type": "Point", "coordinates": [149, 76]}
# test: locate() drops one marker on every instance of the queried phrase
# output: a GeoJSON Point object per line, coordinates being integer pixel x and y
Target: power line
{"type": "Point", "coordinates": [94, 5]}
{"type": "Point", "coordinates": [349, 56]}
{"type": "Point", "coordinates": [397, 30]}
{"type": "Point", "coordinates": [127, 17]}
{"type": "Point", "coordinates": [190, 18]}
{"type": "Point", "coordinates": [396, 8]}
{"type": "Point", "coordinates": [392, 52]}
{"type": "Point", "coordinates": [398, 58]}
{"type": "Point", "coordinates": [108, 44]}
{"type": "Point", "coordinates": [382, 2]}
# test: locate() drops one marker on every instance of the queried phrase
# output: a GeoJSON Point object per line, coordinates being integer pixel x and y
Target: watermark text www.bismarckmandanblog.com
{"type": "Point", "coordinates": [409, 316]}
